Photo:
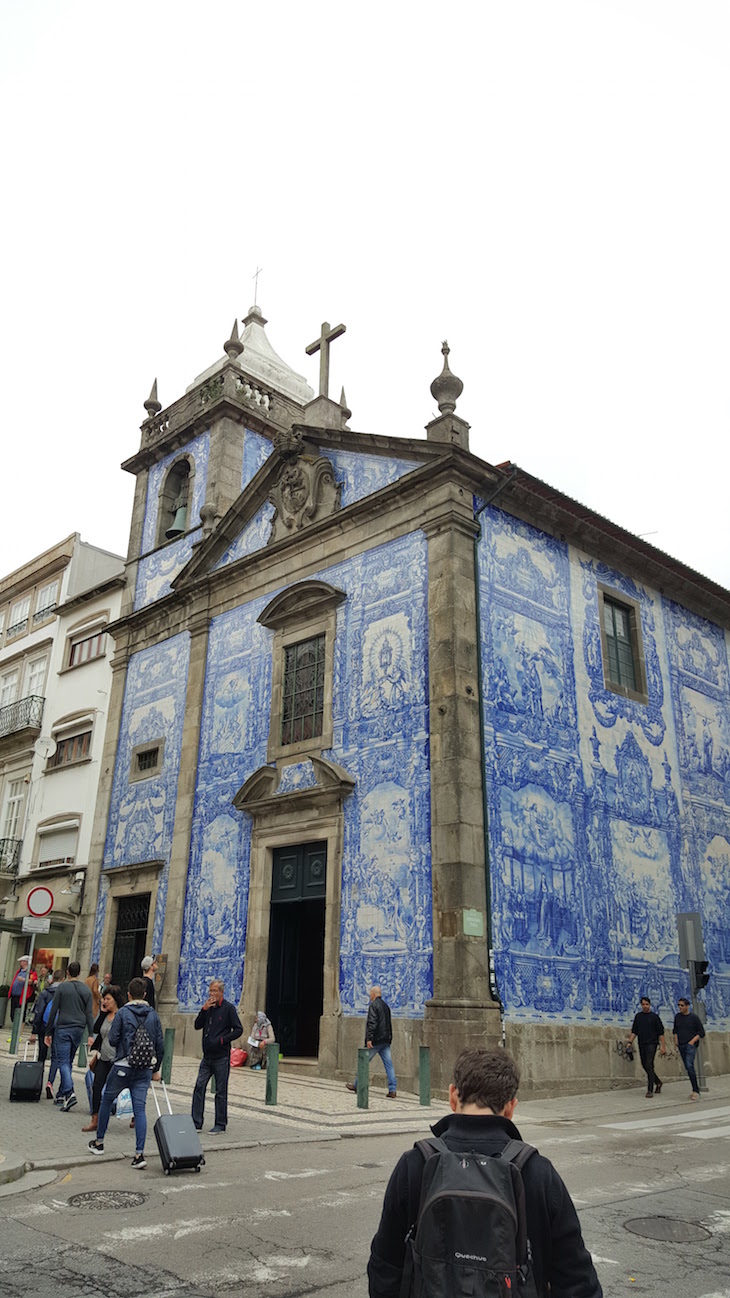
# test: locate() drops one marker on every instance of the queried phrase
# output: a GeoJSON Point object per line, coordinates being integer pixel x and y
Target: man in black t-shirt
{"type": "Point", "coordinates": [687, 1033]}
{"type": "Point", "coordinates": [649, 1029]}
{"type": "Point", "coordinates": [149, 969]}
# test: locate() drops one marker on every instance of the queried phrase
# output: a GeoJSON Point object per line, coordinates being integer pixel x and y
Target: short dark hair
{"type": "Point", "coordinates": [645, 998]}
{"type": "Point", "coordinates": [116, 994]}
{"type": "Point", "coordinates": [58, 975]}
{"type": "Point", "coordinates": [683, 1001]}
{"type": "Point", "coordinates": [488, 1078]}
{"type": "Point", "coordinates": [137, 989]}
{"type": "Point", "coordinates": [74, 969]}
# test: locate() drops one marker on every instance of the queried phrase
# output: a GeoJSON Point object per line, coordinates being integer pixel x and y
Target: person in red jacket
{"type": "Point", "coordinates": [18, 984]}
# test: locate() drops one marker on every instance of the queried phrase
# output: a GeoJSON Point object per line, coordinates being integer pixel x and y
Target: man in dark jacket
{"type": "Point", "coordinates": [648, 1027]}
{"type": "Point", "coordinates": [221, 1025]}
{"type": "Point", "coordinates": [378, 1036]}
{"type": "Point", "coordinates": [123, 1035]}
{"type": "Point", "coordinates": [688, 1031]}
{"type": "Point", "coordinates": [483, 1098]}
{"type": "Point", "coordinates": [71, 1013]}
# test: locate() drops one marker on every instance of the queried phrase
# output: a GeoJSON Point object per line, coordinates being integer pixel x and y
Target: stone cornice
{"type": "Point", "coordinates": [259, 792]}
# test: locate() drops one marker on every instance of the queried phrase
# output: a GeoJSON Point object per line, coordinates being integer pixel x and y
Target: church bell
{"type": "Point", "coordinates": [177, 527]}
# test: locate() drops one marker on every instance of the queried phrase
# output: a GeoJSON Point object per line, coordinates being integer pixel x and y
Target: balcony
{"type": "Point", "coordinates": [24, 714]}
{"type": "Point", "coordinates": [9, 855]}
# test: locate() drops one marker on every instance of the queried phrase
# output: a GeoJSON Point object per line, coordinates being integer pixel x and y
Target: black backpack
{"type": "Point", "coordinates": [142, 1049]}
{"type": "Point", "coordinates": [470, 1237]}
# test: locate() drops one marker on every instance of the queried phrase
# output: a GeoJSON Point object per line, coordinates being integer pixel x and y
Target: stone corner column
{"type": "Point", "coordinates": [180, 852]}
{"type": "Point", "coordinates": [462, 1011]}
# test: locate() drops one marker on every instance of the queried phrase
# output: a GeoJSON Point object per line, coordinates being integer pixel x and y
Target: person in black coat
{"type": "Point", "coordinates": [221, 1025]}
{"type": "Point", "coordinates": [483, 1098]}
{"type": "Point", "coordinates": [648, 1027]}
{"type": "Point", "coordinates": [378, 1037]}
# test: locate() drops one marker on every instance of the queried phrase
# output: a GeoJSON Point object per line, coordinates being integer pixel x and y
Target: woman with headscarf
{"type": "Point", "coordinates": [262, 1035]}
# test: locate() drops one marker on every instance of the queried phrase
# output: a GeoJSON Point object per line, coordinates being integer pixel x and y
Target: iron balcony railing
{"type": "Point", "coordinates": [9, 855]}
{"type": "Point", "coordinates": [22, 714]}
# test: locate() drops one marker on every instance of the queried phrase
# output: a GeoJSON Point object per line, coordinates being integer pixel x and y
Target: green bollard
{"type": "Point", "coordinates": [363, 1078]}
{"type": "Point", "coordinates": [15, 1033]}
{"type": "Point", "coordinates": [166, 1066]}
{"type": "Point", "coordinates": [272, 1073]}
{"type": "Point", "coordinates": [81, 1059]}
{"type": "Point", "coordinates": [424, 1075]}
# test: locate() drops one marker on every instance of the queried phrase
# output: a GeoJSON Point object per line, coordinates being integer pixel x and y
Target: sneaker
{"type": "Point", "coordinates": [139, 1162]}
{"type": "Point", "coordinates": [96, 1146]}
{"type": "Point", "coordinates": [649, 1095]}
{"type": "Point", "coordinates": [391, 1095]}
{"type": "Point", "coordinates": [198, 1126]}
{"type": "Point", "coordinates": [659, 1085]}
{"type": "Point", "coordinates": [60, 1099]}
{"type": "Point", "coordinates": [694, 1096]}
{"type": "Point", "coordinates": [49, 1091]}
{"type": "Point", "coordinates": [351, 1087]}
{"type": "Point", "coordinates": [216, 1130]}
{"type": "Point", "coordinates": [69, 1103]}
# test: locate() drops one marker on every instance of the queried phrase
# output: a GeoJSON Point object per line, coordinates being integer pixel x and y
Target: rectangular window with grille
{"type": "Point", "coordinates": [303, 694]}
{"type": "Point", "coordinates": [148, 760]}
{"type": "Point", "coordinates": [18, 620]}
{"type": "Point", "coordinates": [45, 602]}
{"type": "Point", "coordinates": [72, 748]}
{"type": "Point", "coordinates": [86, 648]}
{"type": "Point", "coordinates": [8, 687]}
{"type": "Point", "coordinates": [13, 808]}
{"type": "Point", "coordinates": [36, 677]}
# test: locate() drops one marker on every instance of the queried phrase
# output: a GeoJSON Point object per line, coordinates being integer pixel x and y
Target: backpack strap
{"type": "Point", "coordinates": [434, 1145]}
{"type": "Point", "coordinates": [518, 1153]}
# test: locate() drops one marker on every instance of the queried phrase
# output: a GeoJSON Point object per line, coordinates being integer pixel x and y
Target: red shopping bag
{"type": "Point", "coordinates": [238, 1057]}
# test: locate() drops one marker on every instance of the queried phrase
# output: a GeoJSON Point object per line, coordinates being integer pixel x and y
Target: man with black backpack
{"type": "Point", "coordinates": [476, 1210]}
{"type": "Point", "coordinates": [136, 1033]}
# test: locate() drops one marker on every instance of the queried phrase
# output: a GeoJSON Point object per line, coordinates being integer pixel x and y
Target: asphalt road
{"type": "Point", "coordinates": [294, 1220]}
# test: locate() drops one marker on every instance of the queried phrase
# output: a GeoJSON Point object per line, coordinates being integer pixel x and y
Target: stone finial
{"type": "Point", "coordinates": [345, 407]}
{"type": "Point", "coordinates": [152, 405]}
{"type": "Point", "coordinates": [233, 346]}
{"type": "Point", "coordinates": [446, 389]}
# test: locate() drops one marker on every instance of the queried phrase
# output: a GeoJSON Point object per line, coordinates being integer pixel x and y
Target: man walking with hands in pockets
{"type": "Point", "coordinates": [221, 1025]}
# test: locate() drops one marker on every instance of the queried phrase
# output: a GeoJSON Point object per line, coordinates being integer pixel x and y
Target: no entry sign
{"type": "Point", "coordinates": [40, 901]}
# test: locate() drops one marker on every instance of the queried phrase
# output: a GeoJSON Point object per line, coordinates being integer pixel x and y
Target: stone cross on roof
{"type": "Point", "coordinates": [322, 345]}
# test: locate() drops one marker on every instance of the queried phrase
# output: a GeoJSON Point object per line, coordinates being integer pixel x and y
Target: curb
{"type": "Point", "coordinates": [12, 1167]}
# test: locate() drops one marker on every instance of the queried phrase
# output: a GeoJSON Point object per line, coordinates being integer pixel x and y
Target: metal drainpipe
{"type": "Point", "coordinates": [493, 986]}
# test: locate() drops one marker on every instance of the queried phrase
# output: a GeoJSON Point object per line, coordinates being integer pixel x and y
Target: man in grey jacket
{"type": "Point", "coordinates": [72, 1010]}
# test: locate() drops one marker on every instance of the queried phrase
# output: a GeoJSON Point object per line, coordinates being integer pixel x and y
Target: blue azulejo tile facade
{"type": "Point", "coordinates": [361, 475]}
{"type": "Point", "coordinates": [142, 811]}
{"type": "Point", "coordinates": [380, 736]}
{"type": "Point", "coordinates": [607, 815]}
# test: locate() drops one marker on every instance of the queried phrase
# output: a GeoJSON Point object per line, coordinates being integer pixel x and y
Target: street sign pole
{"type": "Point", "coordinates": [15, 1035]}
{"type": "Point", "coordinates": [691, 949]}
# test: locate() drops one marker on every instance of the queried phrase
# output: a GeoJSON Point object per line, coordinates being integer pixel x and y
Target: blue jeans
{"type": "Point", "coordinates": [66, 1043]}
{"type": "Point", "coordinates": [138, 1080]}
{"type": "Point", "coordinates": [688, 1053]}
{"type": "Point", "coordinates": [220, 1069]}
{"type": "Point", "coordinates": [384, 1052]}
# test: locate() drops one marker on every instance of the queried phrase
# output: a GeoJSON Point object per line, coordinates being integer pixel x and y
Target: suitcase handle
{"type": "Point", "coordinates": [157, 1102]}
{"type": "Point", "coordinates": [34, 1060]}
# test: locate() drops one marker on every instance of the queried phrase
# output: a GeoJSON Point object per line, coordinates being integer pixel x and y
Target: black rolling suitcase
{"type": "Point", "coordinates": [27, 1081]}
{"type": "Point", "coordinates": [178, 1142]}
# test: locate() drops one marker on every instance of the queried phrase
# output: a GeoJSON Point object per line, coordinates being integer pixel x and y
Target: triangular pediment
{"type": "Point", "coordinates": [304, 480]}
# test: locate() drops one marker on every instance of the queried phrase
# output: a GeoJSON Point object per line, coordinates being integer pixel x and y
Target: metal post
{"type": "Point", "coordinates": [272, 1072]}
{"type": "Point", "coordinates": [81, 1058]}
{"type": "Point", "coordinates": [168, 1052]}
{"type": "Point", "coordinates": [424, 1074]}
{"type": "Point", "coordinates": [363, 1078]}
{"type": "Point", "coordinates": [698, 1008]}
{"type": "Point", "coordinates": [15, 1032]}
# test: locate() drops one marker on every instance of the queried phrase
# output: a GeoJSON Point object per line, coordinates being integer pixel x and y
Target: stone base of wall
{"type": "Point", "coordinates": [563, 1059]}
{"type": "Point", "coordinates": [554, 1059]}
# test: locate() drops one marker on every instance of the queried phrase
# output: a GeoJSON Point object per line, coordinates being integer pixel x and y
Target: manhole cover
{"type": "Point", "coordinates": [102, 1199]}
{"type": "Point", "coordinates": [667, 1230]}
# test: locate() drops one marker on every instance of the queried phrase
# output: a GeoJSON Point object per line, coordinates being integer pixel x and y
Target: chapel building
{"type": "Point", "coordinates": [385, 713]}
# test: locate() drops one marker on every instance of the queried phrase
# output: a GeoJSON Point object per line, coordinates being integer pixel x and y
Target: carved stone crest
{"type": "Point", "coordinates": [305, 492]}
{"type": "Point", "coordinates": [289, 442]}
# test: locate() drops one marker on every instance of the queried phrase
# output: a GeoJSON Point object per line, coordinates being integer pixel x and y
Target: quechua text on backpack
{"type": "Point", "coordinates": [470, 1237]}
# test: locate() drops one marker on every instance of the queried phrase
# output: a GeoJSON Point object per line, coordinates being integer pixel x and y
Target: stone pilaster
{"type": "Point", "coordinates": [135, 540]}
{"type": "Point", "coordinates": [225, 464]}
{"type": "Point", "coordinates": [462, 1010]}
{"type": "Point", "coordinates": [85, 926]}
{"type": "Point", "coordinates": [180, 852]}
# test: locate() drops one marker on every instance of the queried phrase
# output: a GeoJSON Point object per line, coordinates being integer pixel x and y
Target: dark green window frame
{"type": "Point", "coordinates": [302, 710]}
{"type": "Point", "coordinates": [617, 619]}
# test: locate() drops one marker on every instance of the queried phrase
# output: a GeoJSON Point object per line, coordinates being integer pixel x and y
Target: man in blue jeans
{"type": "Point", "coordinates": [127, 1070]}
{"type": "Point", "coordinates": [688, 1031]}
{"type": "Point", "coordinates": [378, 1036]}
{"type": "Point", "coordinates": [72, 1012]}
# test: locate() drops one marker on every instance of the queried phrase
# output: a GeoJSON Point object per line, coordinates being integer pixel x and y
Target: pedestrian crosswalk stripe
{"type": "Point", "coordinates": [710, 1134]}
{"type": "Point", "coordinates": [671, 1120]}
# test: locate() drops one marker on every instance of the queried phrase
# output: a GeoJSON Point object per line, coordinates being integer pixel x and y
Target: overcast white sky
{"type": "Point", "coordinates": [544, 184]}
